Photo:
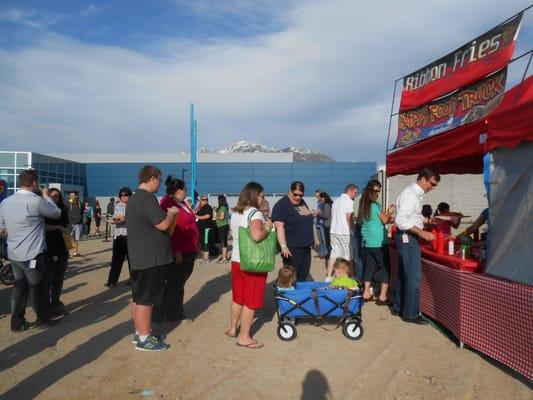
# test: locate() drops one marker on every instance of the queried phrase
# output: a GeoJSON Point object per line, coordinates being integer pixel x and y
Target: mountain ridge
{"type": "Point", "coordinates": [245, 146]}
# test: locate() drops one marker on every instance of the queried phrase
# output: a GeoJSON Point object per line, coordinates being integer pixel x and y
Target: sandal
{"type": "Point", "coordinates": [253, 345]}
{"type": "Point", "coordinates": [383, 302]}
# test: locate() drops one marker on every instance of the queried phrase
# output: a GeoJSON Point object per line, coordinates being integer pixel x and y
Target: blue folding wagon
{"type": "Point", "coordinates": [319, 303]}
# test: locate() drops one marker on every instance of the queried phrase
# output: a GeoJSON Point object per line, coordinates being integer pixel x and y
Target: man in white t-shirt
{"type": "Point", "coordinates": [340, 231]}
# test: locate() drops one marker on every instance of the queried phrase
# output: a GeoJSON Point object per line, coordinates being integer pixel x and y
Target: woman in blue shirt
{"type": "Point", "coordinates": [376, 261]}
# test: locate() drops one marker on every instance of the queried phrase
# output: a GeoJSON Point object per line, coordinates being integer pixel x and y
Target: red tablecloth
{"type": "Point", "coordinates": [454, 262]}
{"type": "Point", "coordinates": [489, 314]}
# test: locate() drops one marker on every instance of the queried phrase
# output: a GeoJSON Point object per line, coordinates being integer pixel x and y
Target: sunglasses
{"type": "Point", "coordinates": [203, 199]}
{"type": "Point", "coordinates": [297, 194]}
{"type": "Point", "coordinates": [124, 194]}
{"type": "Point", "coordinates": [377, 191]}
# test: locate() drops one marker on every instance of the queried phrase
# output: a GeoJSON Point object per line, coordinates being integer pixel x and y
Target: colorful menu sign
{"type": "Point", "coordinates": [466, 105]}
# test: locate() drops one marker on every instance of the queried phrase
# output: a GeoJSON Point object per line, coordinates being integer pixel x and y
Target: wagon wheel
{"type": "Point", "coordinates": [352, 330]}
{"type": "Point", "coordinates": [286, 332]}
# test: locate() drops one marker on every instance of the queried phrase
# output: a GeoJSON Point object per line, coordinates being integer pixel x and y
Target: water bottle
{"type": "Point", "coordinates": [451, 247]}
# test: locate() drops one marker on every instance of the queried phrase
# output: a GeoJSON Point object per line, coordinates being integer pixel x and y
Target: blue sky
{"type": "Point", "coordinates": [118, 76]}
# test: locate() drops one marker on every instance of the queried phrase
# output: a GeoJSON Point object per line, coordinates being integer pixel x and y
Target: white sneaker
{"type": "Point", "coordinates": [328, 279]}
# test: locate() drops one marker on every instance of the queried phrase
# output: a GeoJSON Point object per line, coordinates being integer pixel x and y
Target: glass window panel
{"type": "Point", "coordinates": [22, 160]}
{"type": "Point", "coordinates": [5, 171]}
{"type": "Point", "coordinates": [68, 168]}
{"type": "Point", "coordinates": [7, 159]}
{"type": "Point", "coordinates": [52, 167]}
{"type": "Point", "coordinates": [10, 179]}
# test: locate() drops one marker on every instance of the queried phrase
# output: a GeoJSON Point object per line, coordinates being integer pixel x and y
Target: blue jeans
{"type": "Point", "coordinates": [357, 248]}
{"type": "Point", "coordinates": [407, 291]}
{"type": "Point", "coordinates": [323, 236]}
{"type": "Point", "coordinates": [27, 280]}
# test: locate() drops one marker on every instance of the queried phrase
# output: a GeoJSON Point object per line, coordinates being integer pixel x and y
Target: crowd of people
{"type": "Point", "coordinates": [161, 240]}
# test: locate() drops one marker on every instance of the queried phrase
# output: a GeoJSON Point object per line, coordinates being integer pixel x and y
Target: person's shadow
{"type": "Point", "coordinates": [209, 294]}
{"type": "Point", "coordinates": [265, 314]}
{"type": "Point", "coordinates": [315, 386]}
{"type": "Point", "coordinates": [81, 314]}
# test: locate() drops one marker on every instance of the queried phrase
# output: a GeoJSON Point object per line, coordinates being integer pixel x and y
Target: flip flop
{"type": "Point", "coordinates": [252, 346]}
{"type": "Point", "coordinates": [383, 302]}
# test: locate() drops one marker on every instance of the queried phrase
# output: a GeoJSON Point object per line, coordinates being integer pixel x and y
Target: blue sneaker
{"type": "Point", "coordinates": [136, 339]}
{"type": "Point", "coordinates": [151, 344]}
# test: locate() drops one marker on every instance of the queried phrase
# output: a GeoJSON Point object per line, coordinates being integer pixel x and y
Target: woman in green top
{"type": "Point", "coordinates": [376, 261]}
{"type": "Point", "coordinates": [222, 220]}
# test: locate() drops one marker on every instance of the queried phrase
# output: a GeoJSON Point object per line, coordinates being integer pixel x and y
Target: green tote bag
{"type": "Point", "coordinates": [256, 256]}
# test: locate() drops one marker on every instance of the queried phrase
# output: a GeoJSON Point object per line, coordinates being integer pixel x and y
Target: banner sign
{"type": "Point", "coordinates": [484, 55]}
{"type": "Point", "coordinates": [461, 107]}
{"type": "Point", "coordinates": [3, 190]}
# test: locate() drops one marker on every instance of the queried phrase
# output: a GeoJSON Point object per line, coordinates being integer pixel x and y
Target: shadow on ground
{"type": "Point", "coordinates": [315, 386]}
{"type": "Point", "coordinates": [83, 354]}
{"type": "Point", "coordinates": [81, 313]}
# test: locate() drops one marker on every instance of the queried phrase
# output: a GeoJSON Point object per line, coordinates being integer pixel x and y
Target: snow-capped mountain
{"type": "Point", "coordinates": [244, 146]}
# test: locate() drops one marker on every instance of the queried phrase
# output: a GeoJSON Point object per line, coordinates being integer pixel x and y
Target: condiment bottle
{"type": "Point", "coordinates": [451, 246]}
{"type": "Point", "coordinates": [440, 242]}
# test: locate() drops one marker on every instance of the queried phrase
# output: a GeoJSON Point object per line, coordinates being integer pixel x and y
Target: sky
{"type": "Point", "coordinates": [119, 76]}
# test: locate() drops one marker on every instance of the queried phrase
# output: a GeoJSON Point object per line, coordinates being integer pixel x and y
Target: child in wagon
{"type": "Point", "coordinates": [286, 278]}
{"type": "Point", "coordinates": [342, 271]}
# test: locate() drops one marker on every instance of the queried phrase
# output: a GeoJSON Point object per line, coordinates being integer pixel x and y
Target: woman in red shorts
{"type": "Point", "coordinates": [248, 288]}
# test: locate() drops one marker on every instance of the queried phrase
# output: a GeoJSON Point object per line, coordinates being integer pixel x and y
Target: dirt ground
{"type": "Point", "coordinates": [89, 354]}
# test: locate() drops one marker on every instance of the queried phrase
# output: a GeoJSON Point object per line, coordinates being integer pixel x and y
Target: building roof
{"type": "Point", "coordinates": [95, 158]}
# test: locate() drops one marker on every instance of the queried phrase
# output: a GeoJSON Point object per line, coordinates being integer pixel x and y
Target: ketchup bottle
{"type": "Point", "coordinates": [440, 242]}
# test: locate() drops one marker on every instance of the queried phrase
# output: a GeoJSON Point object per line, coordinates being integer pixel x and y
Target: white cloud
{"type": "Point", "coordinates": [30, 18]}
{"type": "Point", "coordinates": [323, 82]}
{"type": "Point", "coordinates": [91, 9]}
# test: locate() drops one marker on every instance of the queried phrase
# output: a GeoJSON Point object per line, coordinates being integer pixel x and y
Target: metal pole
{"type": "Point", "coordinates": [388, 140]}
{"type": "Point", "coordinates": [193, 156]}
{"type": "Point", "coordinates": [527, 66]}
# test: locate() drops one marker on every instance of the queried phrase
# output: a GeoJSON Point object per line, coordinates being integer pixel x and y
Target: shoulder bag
{"type": "Point", "coordinates": [256, 256]}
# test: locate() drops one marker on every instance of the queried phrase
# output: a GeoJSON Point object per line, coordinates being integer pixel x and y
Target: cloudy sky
{"type": "Point", "coordinates": [119, 75]}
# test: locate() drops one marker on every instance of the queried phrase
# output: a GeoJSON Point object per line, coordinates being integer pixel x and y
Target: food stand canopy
{"type": "Point", "coordinates": [461, 150]}
{"type": "Point", "coordinates": [507, 135]}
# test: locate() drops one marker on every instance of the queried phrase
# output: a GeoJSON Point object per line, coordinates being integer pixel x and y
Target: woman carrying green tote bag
{"type": "Point", "coordinates": [257, 256]}
{"type": "Point", "coordinates": [248, 288]}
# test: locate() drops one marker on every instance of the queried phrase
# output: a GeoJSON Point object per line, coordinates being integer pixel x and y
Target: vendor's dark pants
{"type": "Point", "coordinates": [120, 253]}
{"type": "Point", "coordinates": [407, 290]}
{"type": "Point", "coordinates": [177, 275]}
{"type": "Point", "coordinates": [300, 261]}
{"type": "Point", "coordinates": [29, 280]}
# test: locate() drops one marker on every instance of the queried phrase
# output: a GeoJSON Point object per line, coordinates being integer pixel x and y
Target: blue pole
{"type": "Point", "coordinates": [193, 156]}
{"type": "Point", "coordinates": [196, 154]}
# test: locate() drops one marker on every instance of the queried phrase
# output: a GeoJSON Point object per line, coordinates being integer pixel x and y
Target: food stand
{"type": "Point", "coordinates": [491, 314]}
{"type": "Point", "coordinates": [486, 305]}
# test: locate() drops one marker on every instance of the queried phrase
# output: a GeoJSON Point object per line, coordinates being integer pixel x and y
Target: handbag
{"type": "Point", "coordinates": [256, 256]}
{"type": "Point", "coordinates": [69, 243]}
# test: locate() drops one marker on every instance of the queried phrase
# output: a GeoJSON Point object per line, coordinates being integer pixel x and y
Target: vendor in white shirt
{"type": "Point", "coordinates": [410, 229]}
